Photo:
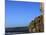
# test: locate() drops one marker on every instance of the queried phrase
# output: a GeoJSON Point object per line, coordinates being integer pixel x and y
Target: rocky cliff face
{"type": "Point", "coordinates": [37, 25]}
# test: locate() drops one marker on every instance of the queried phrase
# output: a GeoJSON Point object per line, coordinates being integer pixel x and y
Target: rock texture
{"type": "Point", "coordinates": [37, 25]}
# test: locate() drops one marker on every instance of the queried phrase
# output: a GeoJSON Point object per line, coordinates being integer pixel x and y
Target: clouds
{"type": "Point", "coordinates": [27, 0]}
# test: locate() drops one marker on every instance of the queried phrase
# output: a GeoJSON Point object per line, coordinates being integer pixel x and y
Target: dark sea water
{"type": "Point", "coordinates": [18, 30]}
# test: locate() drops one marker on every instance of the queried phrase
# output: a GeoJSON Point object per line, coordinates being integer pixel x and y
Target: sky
{"type": "Point", "coordinates": [20, 14]}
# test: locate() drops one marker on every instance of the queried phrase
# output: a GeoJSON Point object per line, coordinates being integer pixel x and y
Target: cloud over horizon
{"type": "Point", "coordinates": [27, 0]}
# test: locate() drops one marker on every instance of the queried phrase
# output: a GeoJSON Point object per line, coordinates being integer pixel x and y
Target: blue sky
{"type": "Point", "coordinates": [19, 14]}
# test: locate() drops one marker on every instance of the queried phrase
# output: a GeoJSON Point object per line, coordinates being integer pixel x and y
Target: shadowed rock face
{"type": "Point", "coordinates": [42, 8]}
